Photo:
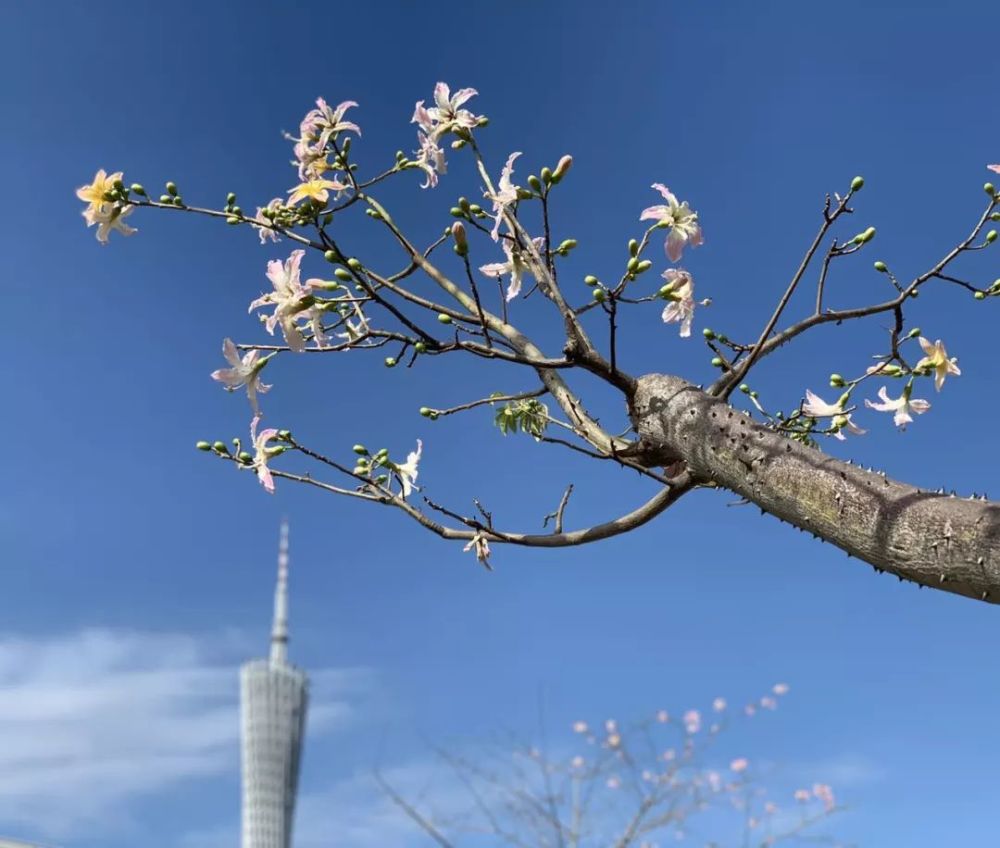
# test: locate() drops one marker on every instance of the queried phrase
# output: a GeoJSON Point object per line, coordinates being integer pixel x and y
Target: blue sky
{"type": "Point", "coordinates": [112, 524]}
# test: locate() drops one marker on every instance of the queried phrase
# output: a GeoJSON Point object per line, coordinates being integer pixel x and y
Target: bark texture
{"type": "Point", "coordinates": [933, 539]}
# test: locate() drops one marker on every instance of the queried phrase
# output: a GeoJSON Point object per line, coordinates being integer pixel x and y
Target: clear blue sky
{"type": "Point", "coordinates": [110, 519]}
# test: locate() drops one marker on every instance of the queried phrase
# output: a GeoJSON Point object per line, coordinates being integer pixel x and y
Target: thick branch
{"type": "Point", "coordinates": [933, 539]}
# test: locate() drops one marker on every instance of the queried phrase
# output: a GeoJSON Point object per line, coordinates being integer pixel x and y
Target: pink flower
{"type": "Point", "coordinates": [739, 765]}
{"type": "Point", "coordinates": [768, 703]}
{"type": "Point", "coordinates": [780, 688]}
{"type": "Point", "coordinates": [515, 266]}
{"type": "Point", "coordinates": [447, 109]}
{"type": "Point", "coordinates": [824, 793]}
{"type": "Point", "coordinates": [692, 721]}
{"type": "Point", "coordinates": [683, 223]}
{"type": "Point", "coordinates": [506, 194]}
{"type": "Point", "coordinates": [291, 300]}
{"type": "Point", "coordinates": [680, 291]}
{"type": "Point", "coordinates": [719, 704]}
{"type": "Point", "coordinates": [580, 727]}
{"type": "Point", "coordinates": [261, 454]}
{"type": "Point", "coordinates": [901, 406]}
{"type": "Point", "coordinates": [994, 168]}
{"type": "Point", "coordinates": [802, 795]}
{"type": "Point", "coordinates": [407, 471]}
{"type": "Point", "coordinates": [430, 158]}
{"type": "Point", "coordinates": [316, 130]}
{"type": "Point", "coordinates": [263, 225]}
{"type": "Point", "coordinates": [936, 359]}
{"type": "Point", "coordinates": [244, 372]}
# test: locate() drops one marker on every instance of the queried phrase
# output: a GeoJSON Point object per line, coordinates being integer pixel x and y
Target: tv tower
{"type": "Point", "coordinates": [273, 701]}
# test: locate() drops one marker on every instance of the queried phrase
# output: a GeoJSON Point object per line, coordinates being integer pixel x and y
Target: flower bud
{"type": "Point", "coordinates": [990, 189]}
{"type": "Point", "coordinates": [244, 457]}
{"type": "Point", "coordinates": [360, 470]}
{"type": "Point", "coordinates": [203, 446]}
{"type": "Point", "coordinates": [171, 188]}
{"type": "Point", "coordinates": [547, 175]}
{"type": "Point", "coordinates": [643, 266]}
{"type": "Point", "coordinates": [535, 183]}
{"type": "Point", "coordinates": [483, 121]}
{"type": "Point", "coordinates": [426, 411]}
{"type": "Point", "coordinates": [565, 163]}
{"type": "Point", "coordinates": [166, 198]}
{"type": "Point", "coordinates": [707, 333]}
{"type": "Point", "coordinates": [995, 216]}
{"type": "Point", "coordinates": [342, 274]}
{"type": "Point", "coordinates": [390, 362]}
{"type": "Point", "coordinates": [420, 347]}
{"type": "Point", "coordinates": [991, 236]}
{"type": "Point", "coordinates": [980, 295]}
{"type": "Point", "coordinates": [633, 247]}
{"type": "Point", "coordinates": [330, 256]}
{"type": "Point", "coordinates": [600, 295]}
{"type": "Point", "coordinates": [744, 388]}
{"type": "Point", "coordinates": [476, 209]}
{"type": "Point", "coordinates": [566, 245]}
{"type": "Point", "coordinates": [444, 319]}
{"type": "Point", "coordinates": [857, 183]}
{"type": "Point", "coordinates": [458, 144]}
{"type": "Point", "coordinates": [232, 221]}
{"type": "Point", "coordinates": [136, 188]}
{"type": "Point", "coordinates": [361, 450]}
{"type": "Point", "coordinates": [220, 447]}
{"type": "Point", "coordinates": [717, 361]}
{"type": "Point", "coordinates": [881, 267]}
{"type": "Point", "coordinates": [632, 265]}
{"type": "Point", "coordinates": [913, 333]}
{"type": "Point", "coordinates": [591, 280]}
{"type": "Point", "coordinates": [231, 198]}
{"type": "Point", "coordinates": [354, 264]}
{"type": "Point", "coordinates": [868, 234]}
{"type": "Point", "coordinates": [463, 203]}
{"type": "Point", "coordinates": [456, 212]}
{"type": "Point", "coordinates": [836, 381]}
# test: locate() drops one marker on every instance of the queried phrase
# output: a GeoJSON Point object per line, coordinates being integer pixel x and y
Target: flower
{"type": "Point", "coordinates": [318, 190]}
{"type": "Point", "coordinates": [815, 407]}
{"type": "Point", "coordinates": [663, 716]}
{"type": "Point", "coordinates": [447, 109]}
{"type": "Point", "coordinates": [824, 793]}
{"type": "Point", "coordinates": [263, 226]}
{"type": "Point", "coordinates": [316, 129]}
{"type": "Point", "coordinates": [481, 544]}
{"type": "Point", "coordinates": [245, 372]}
{"type": "Point", "coordinates": [580, 727]}
{"type": "Point", "coordinates": [994, 168]}
{"type": "Point", "coordinates": [692, 721]}
{"type": "Point", "coordinates": [113, 221]}
{"type": "Point", "coordinates": [105, 213]}
{"type": "Point", "coordinates": [261, 454]}
{"type": "Point", "coordinates": [577, 762]}
{"type": "Point", "coordinates": [901, 406]}
{"type": "Point", "coordinates": [614, 740]}
{"type": "Point", "coordinates": [719, 704]}
{"type": "Point", "coordinates": [291, 300]}
{"type": "Point", "coordinates": [505, 195]}
{"type": "Point", "coordinates": [408, 470]}
{"type": "Point", "coordinates": [802, 795]}
{"type": "Point", "coordinates": [614, 782]}
{"type": "Point", "coordinates": [936, 359]}
{"type": "Point", "coordinates": [768, 703]}
{"type": "Point", "coordinates": [611, 725]}
{"type": "Point", "coordinates": [780, 688]}
{"type": "Point", "coordinates": [430, 158]}
{"type": "Point", "coordinates": [515, 266]}
{"type": "Point", "coordinates": [683, 223]}
{"type": "Point", "coordinates": [680, 291]}
{"type": "Point", "coordinates": [739, 765]}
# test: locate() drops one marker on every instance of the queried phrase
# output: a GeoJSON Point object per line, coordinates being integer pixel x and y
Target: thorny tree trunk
{"type": "Point", "coordinates": [933, 539]}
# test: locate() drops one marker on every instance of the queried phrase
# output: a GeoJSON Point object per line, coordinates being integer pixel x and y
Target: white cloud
{"type": "Point", "coordinates": [93, 721]}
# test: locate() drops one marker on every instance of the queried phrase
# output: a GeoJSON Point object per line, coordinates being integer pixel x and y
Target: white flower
{"type": "Point", "coordinates": [408, 470]}
{"type": "Point", "coordinates": [481, 545]}
{"type": "Point", "coordinates": [680, 291]}
{"type": "Point", "coordinates": [815, 407]}
{"type": "Point", "coordinates": [901, 406]}
{"type": "Point", "coordinates": [515, 266]}
{"type": "Point", "coordinates": [937, 360]}
{"type": "Point", "coordinates": [506, 194]}
{"type": "Point", "coordinates": [683, 223]}
{"type": "Point", "coordinates": [245, 372]}
{"type": "Point", "coordinates": [262, 453]}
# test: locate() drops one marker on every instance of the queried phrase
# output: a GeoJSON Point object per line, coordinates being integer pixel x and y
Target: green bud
{"type": "Point", "coordinates": [178, 201]}
{"type": "Point", "coordinates": [231, 198]}
{"type": "Point", "coordinates": [220, 447]}
{"type": "Point", "coordinates": [717, 361]}
{"type": "Point", "coordinates": [361, 450]}
{"type": "Point", "coordinates": [566, 244]}
{"type": "Point", "coordinates": [633, 263]}
{"type": "Point", "coordinates": [546, 175]}
{"type": "Point", "coordinates": [708, 334]}
{"type": "Point", "coordinates": [643, 266]}
{"type": "Point", "coordinates": [483, 122]}
{"type": "Point", "coordinates": [354, 264]}
{"type": "Point", "coordinates": [990, 189]}
{"type": "Point", "coordinates": [231, 221]}
{"type": "Point", "coordinates": [858, 239]}
{"type": "Point", "coordinates": [444, 319]}
{"type": "Point", "coordinates": [600, 295]}
{"type": "Point", "coordinates": [754, 395]}
{"type": "Point", "coordinates": [360, 470]}
{"type": "Point", "coordinates": [463, 203]}
{"type": "Point", "coordinates": [991, 236]}
{"type": "Point", "coordinates": [980, 295]}
{"type": "Point", "coordinates": [868, 234]}
{"type": "Point", "coordinates": [633, 247]}
{"type": "Point", "coordinates": [420, 347]}
{"type": "Point", "coordinates": [881, 267]}
{"type": "Point", "coordinates": [744, 388]}
{"type": "Point", "coordinates": [330, 256]}
{"type": "Point", "coordinates": [455, 212]}
{"type": "Point", "coordinates": [561, 168]}
{"type": "Point", "coordinates": [535, 183]}
{"type": "Point", "coordinates": [236, 210]}
{"type": "Point", "coordinates": [342, 274]}
{"type": "Point", "coordinates": [591, 280]}
{"type": "Point", "coordinates": [203, 446]}
{"type": "Point", "coordinates": [118, 184]}
{"type": "Point", "coordinates": [426, 411]}
{"type": "Point", "coordinates": [476, 209]}
{"type": "Point", "coordinates": [166, 198]}
{"type": "Point", "coordinates": [171, 188]}
{"type": "Point", "coordinates": [245, 458]}
{"type": "Point", "coordinates": [327, 219]}
{"type": "Point", "coordinates": [400, 156]}
{"type": "Point", "coordinates": [371, 213]}
{"type": "Point", "coordinates": [913, 333]}
{"type": "Point", "coordinates": [995, 216]}
{"type": "Point", "coordinates": [458, 144]}
{"type": "Point", "coordinates": [836, 381]}
{"type": "Point", "coordinates": [390, 362]}
{"type": "Point", "coordinates": [135, 188]}
{"type": "Point", "coordinates": [857, 183]}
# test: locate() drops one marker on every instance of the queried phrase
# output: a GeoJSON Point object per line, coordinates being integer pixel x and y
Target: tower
{"type": "Point", "coordinates": [273, 701]}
